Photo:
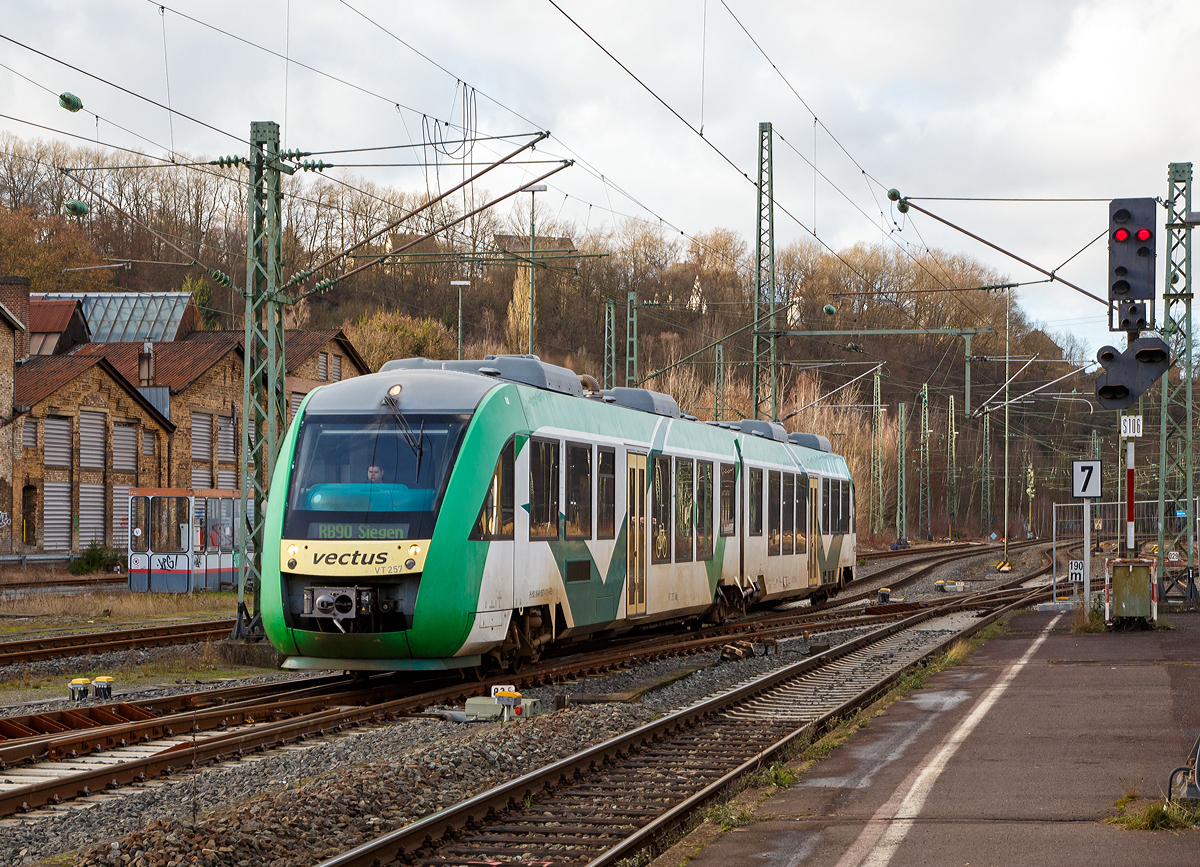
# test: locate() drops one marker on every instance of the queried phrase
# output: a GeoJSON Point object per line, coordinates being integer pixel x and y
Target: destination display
{"type": "Point", "coordinates": [357, 532]}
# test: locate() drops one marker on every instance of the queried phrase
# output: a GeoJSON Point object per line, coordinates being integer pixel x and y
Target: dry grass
{"type": "Point", "coordinates": [186, 664]}
{"type": "Point", "coordinates": [113, 607]}
{"type": "Point", "coordinates": [34, 575]}
{"type": "Point", "coordinates": [1159, 815]}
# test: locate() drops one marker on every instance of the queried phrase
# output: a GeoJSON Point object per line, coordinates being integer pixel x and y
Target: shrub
{"type": "Point", "coordinates": [97, 558]}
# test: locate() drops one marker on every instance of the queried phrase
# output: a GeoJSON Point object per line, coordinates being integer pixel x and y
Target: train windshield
{"type": "Point", "coordinates": [370, 477]}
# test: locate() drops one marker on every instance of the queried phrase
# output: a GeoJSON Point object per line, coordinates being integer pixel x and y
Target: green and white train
{"type": "Point", "coordinates": [470, 514]}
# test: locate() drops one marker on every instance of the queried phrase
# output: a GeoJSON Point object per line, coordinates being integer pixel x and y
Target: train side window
{"type": "Point", "coordinates": [843, 503]}
{"type": "Point", "coordinates": [728, 500]}
{"type": "Point", "coordinates": [139, 524]}
{"type": "Point", "coordinates": [826, 498]}
{"type": "Point", "coordinates": [773, 512]}
{"type": "Point", "coordinates": [495, 519]}
{"type": "Point", "coordinates": [850, 506]}
{"type": "Point", "coordinates": [579, 492]}
{"type": "Point", "coordinates": [755, 505]}
{"type": "Point", "coordinates": [683, 509]}
{"type": "Point", "coordinates": [801, 514]}
{"type": "Point", "coordinates": [543, 489]}
{"type": "Point", "coordinates": [606, 494]}
{"type": "Point", "coordinates": [660, 518]}
{"type": "Point", "coordinates": [704, 510]}
{"type": "Point", "coordinates": [789, 514]}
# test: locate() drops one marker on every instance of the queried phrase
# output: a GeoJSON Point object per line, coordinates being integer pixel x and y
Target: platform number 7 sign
{"type": "Point", "coordinates": [1085, 479]}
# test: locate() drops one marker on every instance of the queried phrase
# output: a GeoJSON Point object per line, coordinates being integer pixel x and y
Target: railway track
{"type": "Point", "coordinates": [67, 584]}
{"type": "Point", "coordinates": [86, 643]}
{"type": "Point", "coordinates": [625, 795]}
{"type": "Point", "coordinates": [55, 756]}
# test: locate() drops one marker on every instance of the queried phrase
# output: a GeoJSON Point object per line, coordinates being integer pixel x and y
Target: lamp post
{"type": "Point", "coordinates": [532, 189]}
{"type": "Point", "coordinates": [460, 284]}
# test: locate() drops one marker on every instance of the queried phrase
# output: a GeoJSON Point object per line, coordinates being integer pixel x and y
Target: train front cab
{"type": "Point", "coordinates": [182, 540]}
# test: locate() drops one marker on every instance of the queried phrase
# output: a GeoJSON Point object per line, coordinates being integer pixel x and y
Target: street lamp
{"type": "Point", "coordinates": [531, 189]}
{"type": "Point", "coordinates": [460, 284]}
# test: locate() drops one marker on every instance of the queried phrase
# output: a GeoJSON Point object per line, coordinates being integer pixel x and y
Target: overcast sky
{"type": "Point", "coordinates": [1038, 99]}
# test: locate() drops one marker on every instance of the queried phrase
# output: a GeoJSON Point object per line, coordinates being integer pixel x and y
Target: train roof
{"type": "Point", "coordinates": [457, 386]}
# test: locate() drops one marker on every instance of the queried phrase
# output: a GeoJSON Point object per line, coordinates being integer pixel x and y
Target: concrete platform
{"type": "Point", "coordinates": [962, 773]}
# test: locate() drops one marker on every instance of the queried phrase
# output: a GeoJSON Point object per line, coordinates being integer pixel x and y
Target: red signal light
{"type": "Point", "coordinates": [1143, 234]}
{"type": "Point", "coordinates": [1121, 234]}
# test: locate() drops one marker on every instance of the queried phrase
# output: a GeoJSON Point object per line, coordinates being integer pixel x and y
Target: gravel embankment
{"type": "Point", "coordinates": [296, 806]}
{"type": "Point", "coordinates": [113, 661]}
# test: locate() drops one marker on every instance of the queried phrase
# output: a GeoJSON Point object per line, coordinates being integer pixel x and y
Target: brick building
{"type": "Point", "coordinates": [146, 401]}
{"type": "Point", "coordinates": [84, 436]}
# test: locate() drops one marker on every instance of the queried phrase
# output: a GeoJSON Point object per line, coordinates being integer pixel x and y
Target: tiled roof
{"type": "Point", "coordinates": [50, 316]}
{"type": "Point", "coordinates": [42, 375]}
{"type": "Point", "coordinates": [299, 345]}
{"type": "Point", "coordinates": [126, 316]}
{"type": "Point", "coordinates": [177, 364]}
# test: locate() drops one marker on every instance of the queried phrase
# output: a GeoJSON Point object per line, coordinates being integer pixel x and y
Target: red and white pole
{"type": "Point", "coordinates": [1129, 497]}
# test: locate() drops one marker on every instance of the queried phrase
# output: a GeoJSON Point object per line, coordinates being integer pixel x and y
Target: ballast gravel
{"type": "Point", "coordinates": [297, 806]}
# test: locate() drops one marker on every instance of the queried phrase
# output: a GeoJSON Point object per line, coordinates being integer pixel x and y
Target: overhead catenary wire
{"type": "Point", "coordinates": [125, 90]}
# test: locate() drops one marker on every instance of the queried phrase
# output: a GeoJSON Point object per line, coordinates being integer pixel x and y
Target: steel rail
{"type": "Point", "coordinates": [408, 841]}
{"type": "Point", "coordinates": [309, 704]}
{"type": "Point", "coordinates": [88, 643]}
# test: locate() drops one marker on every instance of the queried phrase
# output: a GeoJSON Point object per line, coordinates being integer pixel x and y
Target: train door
{"type": "Point", "coordinates": [814, 532]}
{"type": "Point", "coordinates": [635, 579]}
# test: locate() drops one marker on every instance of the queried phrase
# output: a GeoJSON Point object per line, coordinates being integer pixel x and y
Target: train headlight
{"type": "Point", "coordinates": [293, 550]}
{"type": "Point", "coordinates": [414, 550]}
{"type": "Point", "coordinates": [292, 563]}
{"type": "Point", "coordinates": [410, 563]}
{"type": "Point", "coordinates": [395, 390]}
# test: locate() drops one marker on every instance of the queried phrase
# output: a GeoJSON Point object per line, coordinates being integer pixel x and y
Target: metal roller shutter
{"type": "Point", "coordinates": [91, 439]}
{"type": "Point", "coordinates": [297, 399]}
{"type": "Point", "coordinates": [227, 480]}
{"type": "Point", "coordinates": [323, 366]}
{"type": "Point", "coordinates": [58, 443]}
{"type": "Point", "coordinates": [201, 477]}
{"type": "Point", "coordinates": [29, 434]}
{"type": "Point", "coordinates": [148, 443]}
{"type": "Point", "coordinates": [56, 520]}
{"type": "Point", "coordinates": [226, 449]}
{"type": "Point", "coordinates": [201, 436]}
{"type": "Point", "coordinates": [337, 368]}
{"type": "Point", "coordinates": [125, 448]}
{"type": "Point", "coordinates": [91, 514]}
{"type": "Point", "coordinates": [120, 511]}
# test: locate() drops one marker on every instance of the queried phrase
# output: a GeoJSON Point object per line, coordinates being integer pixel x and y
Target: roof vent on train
{"type": "Point", "coordinates": [771, 430]}
{"type": "Point", "coordinates": [811, 441]}
{"type": "Point", "coordinates": [644, 400]}
{"type": "Point", "coordinates": [525, 369]}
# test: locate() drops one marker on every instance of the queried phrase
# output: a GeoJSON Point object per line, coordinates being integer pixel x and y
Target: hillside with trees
{"type": "Point", "coordinates": [691, 291]}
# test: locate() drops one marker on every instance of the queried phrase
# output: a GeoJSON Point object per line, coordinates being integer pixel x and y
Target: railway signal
{"type": "Point", "coordinates": [1131, 253]}
{"type": "Point", "coordinates": [1127, 375]}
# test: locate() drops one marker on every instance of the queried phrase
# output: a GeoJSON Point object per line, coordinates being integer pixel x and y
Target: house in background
{"type": "Point", "coordinates": [123, 390]}
{"type": "Point", "coordinates": [86, 436]}
{"type": "Point", "coordinates": [115, 317]}
{"type": "Point", "coordinates": [56, 326]}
